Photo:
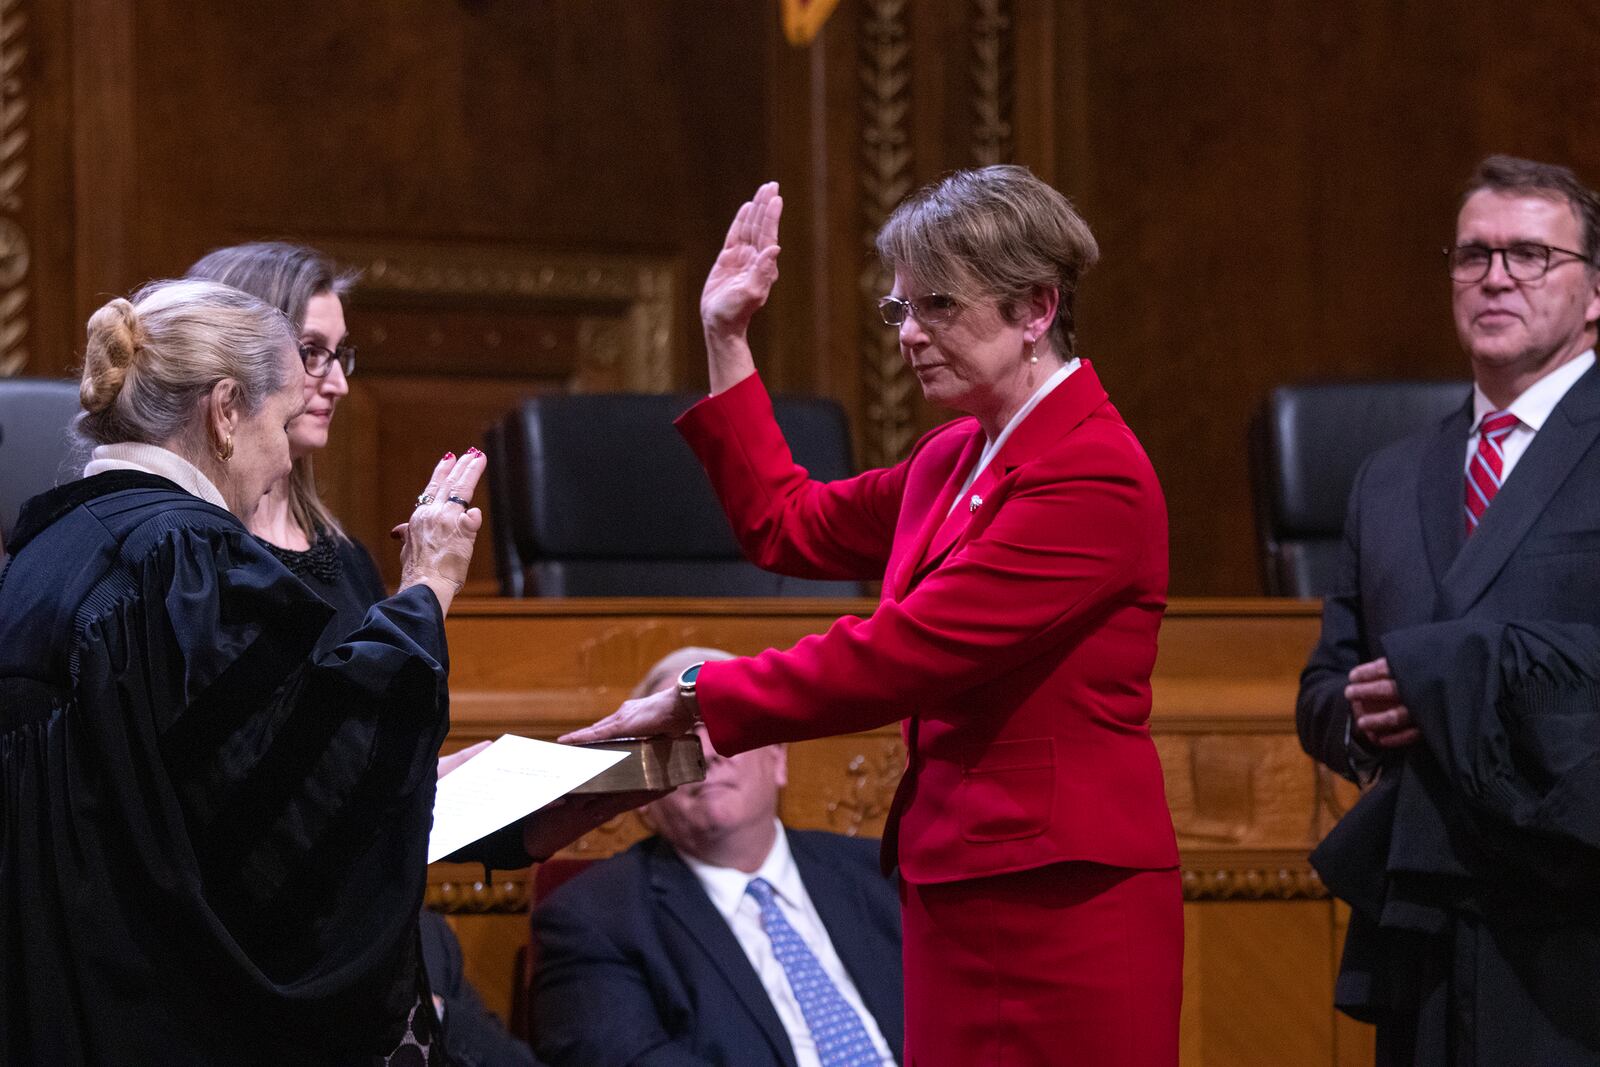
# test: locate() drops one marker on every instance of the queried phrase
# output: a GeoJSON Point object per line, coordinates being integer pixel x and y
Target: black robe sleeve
{"type": "Point", "coordinates": [219, 820]}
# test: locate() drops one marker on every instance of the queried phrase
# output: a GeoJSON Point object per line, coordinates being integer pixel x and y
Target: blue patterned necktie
{"type": "Point", "coordinates": [841, 1039]}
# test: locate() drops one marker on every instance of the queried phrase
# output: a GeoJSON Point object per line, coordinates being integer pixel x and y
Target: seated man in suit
{"type": "Point", "coordinates": [726, 939]}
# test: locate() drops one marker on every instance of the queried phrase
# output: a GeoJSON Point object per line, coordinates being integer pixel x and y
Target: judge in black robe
{"type": "Point", "coordinates": [214, 846]}
{"type": "Point", "coordinates": [212, 834]}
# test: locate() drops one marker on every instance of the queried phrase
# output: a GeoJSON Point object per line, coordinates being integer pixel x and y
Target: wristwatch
{"type": "Point", "coordinates": [686, 682]}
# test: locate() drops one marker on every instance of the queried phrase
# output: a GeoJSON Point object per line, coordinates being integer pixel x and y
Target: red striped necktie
{"type": "Point", "coordinates": [1486, 470]}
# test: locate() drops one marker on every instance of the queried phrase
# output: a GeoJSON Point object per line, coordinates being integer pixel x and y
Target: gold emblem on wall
{"type": "Point", "coordinates": [802, 19]}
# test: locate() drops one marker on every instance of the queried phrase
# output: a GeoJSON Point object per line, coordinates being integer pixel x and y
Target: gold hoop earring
{"type": "Point", "coordinates": [225, 453]}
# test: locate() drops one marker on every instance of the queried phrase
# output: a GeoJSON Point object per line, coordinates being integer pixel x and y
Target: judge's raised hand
{"type": "Point", "coordinates": [738, 286]}
{"type": "Point", "coordinates": [439, 536]}
{"type": "Point", "coordinates": [659, 713]}
{"type": "Point", "coordinates": [1374, 698]}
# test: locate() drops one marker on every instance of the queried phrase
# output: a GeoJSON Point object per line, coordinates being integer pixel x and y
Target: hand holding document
{"type": "Point", "coordinates": [504, 783]}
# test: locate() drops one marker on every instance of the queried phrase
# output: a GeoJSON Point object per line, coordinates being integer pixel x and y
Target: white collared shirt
{"type": "Point", "coordinates": [1532, 408]}
{"type": "Point", "coordinates": [992, 448]}
{"type": "Point", "coordinates": [726, 888]}
{"type": "Point", "coordinates": [153, 459]}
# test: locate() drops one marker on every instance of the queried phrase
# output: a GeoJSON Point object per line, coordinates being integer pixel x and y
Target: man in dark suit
{"type": "Point", "coordinates": [1492, 515]}
{"type": "Point", "coordinates": [669, 955]}
{"type": "Point", "coordinates": [473, 1036]}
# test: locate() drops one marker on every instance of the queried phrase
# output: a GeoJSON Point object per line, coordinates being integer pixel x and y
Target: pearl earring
{"type": "Point", "coordinates": [1032, 356]}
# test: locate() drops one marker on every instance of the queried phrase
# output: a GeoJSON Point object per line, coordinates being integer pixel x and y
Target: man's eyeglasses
{"type": "Point", "coordinates": [319, 359]}
{"type": "Point", "coordinates": [1526, 261]}
{"type": "Point", "coordinates": [934, 309]}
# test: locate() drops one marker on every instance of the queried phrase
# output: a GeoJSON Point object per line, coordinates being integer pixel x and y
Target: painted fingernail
{"type": "Point", "coordinates": [448, 455]}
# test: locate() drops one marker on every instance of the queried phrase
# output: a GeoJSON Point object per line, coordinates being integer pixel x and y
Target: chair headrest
{"type": "Point", "coordinates": [35, 415]}
{"type": "Point", "coordinates": [1317, 437]}
{"type": "Point", "coordinates": [608, 476]}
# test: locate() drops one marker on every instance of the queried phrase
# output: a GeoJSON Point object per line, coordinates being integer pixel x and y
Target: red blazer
{"type": "Point", "coordinates": [1015, 637]}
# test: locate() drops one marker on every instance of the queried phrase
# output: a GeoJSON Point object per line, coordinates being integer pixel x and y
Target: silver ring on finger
{"type": "Point", "coordinates": [453, 499]}
{"type": "Point", "coordinates": [424, 499]}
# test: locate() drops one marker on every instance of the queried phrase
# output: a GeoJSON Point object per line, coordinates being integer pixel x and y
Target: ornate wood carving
{"type": "Point", "coordinates": [1240, 876]}
{"type": "Point", "coordinates": [616, 835]}
{"type": "Point", "coordinates": [14, 250]}
{"type": "Point", "coordinates": [509, 893]}
{"type": "Point", "coordinates": [1277, 878]}
{"type": "Point", "coordinates": [860, 802]}
{"type": "Point", "coordinates": [616, 310]}
{"type": "Point", "coordinates": [993, 77]}
{"type": "Point", "coordinates": [885, 66]}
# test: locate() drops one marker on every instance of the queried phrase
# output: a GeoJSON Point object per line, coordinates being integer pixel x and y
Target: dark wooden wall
{"type": "Point", "coordinates": [536, 188]}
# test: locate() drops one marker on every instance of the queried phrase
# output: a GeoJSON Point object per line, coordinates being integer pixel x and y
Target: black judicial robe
{"type": "Point", "coordinates": [1472, 867]}
{"type": "Point", "coordinates": [212, 841]}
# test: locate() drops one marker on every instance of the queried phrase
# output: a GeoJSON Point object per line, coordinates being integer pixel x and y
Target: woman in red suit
{"type": "Point", "coordinates": [1023, 554]}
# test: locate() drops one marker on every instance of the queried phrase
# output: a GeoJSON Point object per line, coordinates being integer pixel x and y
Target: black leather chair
{"type": "Point", "coordinates": [35, 414]}
{"type": "Point", "coordinates": [598, 495]}
{"type": "Point", "coordinates": [1306, 444]}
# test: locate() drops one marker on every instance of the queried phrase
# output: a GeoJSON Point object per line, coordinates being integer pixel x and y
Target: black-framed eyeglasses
{"type": "Point", "coordinates": [933, 309]}
{"type": "Point", "coordinates": [319, 359]}
{"type": "Point", "coordinates": [1525, 261]}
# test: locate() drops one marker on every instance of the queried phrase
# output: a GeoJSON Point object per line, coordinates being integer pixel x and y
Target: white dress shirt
{"type": "Point", "coordinates": [153, 459]}
{"type": "Point", "coordinates": [1532, 408]}
{"type": "Point", "coordinates": [992, 448]}
{"type": "Point", "coordinates": [726, 888]}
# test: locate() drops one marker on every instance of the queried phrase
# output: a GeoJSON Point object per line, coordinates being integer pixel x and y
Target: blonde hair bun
{"type": "Point", "coordinates": [114, 340]}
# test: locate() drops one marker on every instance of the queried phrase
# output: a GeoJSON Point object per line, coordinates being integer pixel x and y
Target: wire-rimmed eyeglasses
{"type": "Point", "coordinates": [932, 309]}
{"type": "Point", "coordinates": [1525, 261]}
{"type": "Point", "coordinates": [319, 359]}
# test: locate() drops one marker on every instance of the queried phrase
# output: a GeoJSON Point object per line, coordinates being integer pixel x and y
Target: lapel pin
{"type": "Point", "coordinates": [975, 503]}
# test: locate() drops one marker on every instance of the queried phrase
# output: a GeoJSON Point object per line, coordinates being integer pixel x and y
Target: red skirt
{"type": "Point", "coordinates": [1074, 963]}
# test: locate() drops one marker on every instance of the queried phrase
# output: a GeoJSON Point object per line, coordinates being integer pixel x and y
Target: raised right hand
{"type": "Point", "coordinates": [743, 274]}
{"type": "Point", "coordinates": [440, 534]}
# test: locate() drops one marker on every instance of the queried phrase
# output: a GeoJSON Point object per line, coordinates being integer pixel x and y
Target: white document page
{"type": "Point", "coordinates": [506, 781]}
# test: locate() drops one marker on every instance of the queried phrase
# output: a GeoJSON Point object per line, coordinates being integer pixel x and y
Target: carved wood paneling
{"type": "Point", "coordinates": [993, 72]}
{"type": "Point", "coordinates": [540, 126]}
{"type": "Point", "coordinates": [614, 312]}
{"type": "Point", "coordinates": [848, 782]}
{"type": "Point", "coordinates": [15, 252]}
{"type": "Point", "coordinates": [1249, 875]}
{"type": "Point", "coordinates": [885, 66]}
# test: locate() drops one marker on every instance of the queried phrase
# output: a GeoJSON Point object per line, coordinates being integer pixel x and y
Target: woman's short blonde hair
{"type": "Point", "coordinates": [996, 232]}
{"type": "Point", "coordinates": [150, 360]}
